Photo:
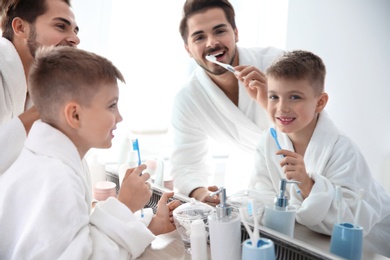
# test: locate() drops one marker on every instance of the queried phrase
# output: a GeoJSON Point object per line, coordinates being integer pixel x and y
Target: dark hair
{"type": "Point", "coordinates": [27, 10]}
{"type": "Point", "coordinates": [192, 7]}
{"type": "Point", "coordinates": [63, 73]}
{"type": "Point", "coordinates": [299, 64]}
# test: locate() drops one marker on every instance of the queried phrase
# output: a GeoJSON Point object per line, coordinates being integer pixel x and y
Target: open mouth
{"type": "Point", "coordinates": [217, 54]}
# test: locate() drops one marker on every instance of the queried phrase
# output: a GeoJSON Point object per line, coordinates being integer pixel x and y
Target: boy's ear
{"type": "Point", "coordinates": [322, 101]}
{"type": "Point", "coordinates": [72, 111]}
{"type": "Point", "coordinates": [20, 27]}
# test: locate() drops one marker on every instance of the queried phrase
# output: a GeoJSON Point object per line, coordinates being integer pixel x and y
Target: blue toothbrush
{"type": "Point", "coordinates": [136, 148]}
{"type": "Point", "coordinates": [275, 136]}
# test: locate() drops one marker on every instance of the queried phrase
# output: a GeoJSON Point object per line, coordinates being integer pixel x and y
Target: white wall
{"type": "Point", "coordinates": [353, 38]}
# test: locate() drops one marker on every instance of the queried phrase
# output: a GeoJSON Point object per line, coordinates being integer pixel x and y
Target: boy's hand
{"type": "Point", "coordinates": [163, 221]}
{"type": "Point", "coordinates": [135, 192]}
{"type": "Point", "coordinates": [294, 168]}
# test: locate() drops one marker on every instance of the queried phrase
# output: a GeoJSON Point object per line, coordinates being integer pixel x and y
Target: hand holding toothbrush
{"type": "Point", "coordinates": [294, 169]}
{"type": "Point", "coordinates": [251, 77]}
{"type": "Point", "coordinates": [255, 83]}
{"type": "Point", "coordinates": [135, 191]}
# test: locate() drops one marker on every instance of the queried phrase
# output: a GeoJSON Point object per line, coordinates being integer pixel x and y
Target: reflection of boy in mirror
{"type": "Point", "coordinates": [46, 194]}
{"type": "Point", "coordinates": [316, 154]}
{"type": "Point", "coordinates": [215, 103]}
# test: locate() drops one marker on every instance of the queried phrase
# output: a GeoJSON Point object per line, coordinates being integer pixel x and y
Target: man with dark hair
{"type": "Point", "coordinates": [26, 25]}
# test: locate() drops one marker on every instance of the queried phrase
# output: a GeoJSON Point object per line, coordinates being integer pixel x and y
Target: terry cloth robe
{"type": "Point", "coordinates": [13, 90]}
{"type": "Point", "coordinates": [45, 202]}
{"type": "Point", "coordinates": [201, 111]}
{"type": "Point", "coordinates": [331, 159]}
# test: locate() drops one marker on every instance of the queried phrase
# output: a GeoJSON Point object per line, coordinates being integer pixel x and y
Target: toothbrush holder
{"type": "Point", "coordinates": [347, 241]}
{"type": "Point", "coordinates": [264, 249]}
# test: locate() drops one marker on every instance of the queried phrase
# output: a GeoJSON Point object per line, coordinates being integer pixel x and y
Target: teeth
{"type": "Point", "coordinates": [286, 119]}
{"type": "Point", "coordinates": [216, 54]}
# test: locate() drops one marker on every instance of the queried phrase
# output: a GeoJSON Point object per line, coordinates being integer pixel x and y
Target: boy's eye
{"type": "Point", "coordinates": [114, 105]}
{"type": "Point", "coordinates": [295, 97]}
{"type": "Point", "coordinates": [273, 97]}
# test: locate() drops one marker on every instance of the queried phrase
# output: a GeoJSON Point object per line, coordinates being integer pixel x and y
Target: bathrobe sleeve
{"type": "Point", "coordinates": [331, 159]}
{"type": "Point", "coordinates": [13, 89]}
{"type": "Point", "coordinates": [346, 168]}
{"type": "Point", "coordinates": [12, 137]}
{"type": "Point", "coordinates": [47, 207]}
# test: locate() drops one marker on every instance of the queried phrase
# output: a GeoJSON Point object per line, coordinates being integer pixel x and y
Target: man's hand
{"type": "Point", "coordinates": [202, 194]}
{"type": "Point", "coordinates": [255, 83]}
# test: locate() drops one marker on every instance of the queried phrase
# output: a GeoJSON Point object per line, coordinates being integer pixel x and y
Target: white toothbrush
{"type": "Point", "coordinates": [339, 199]}
{"type": "Point", "coordinates": [251, 211]}
{"type": "Point", "coordinates": [226, 66]}
{"type": "Point", "coordinates": [243, 220]}
{"type": "Point", "coordinates": [359, 206]}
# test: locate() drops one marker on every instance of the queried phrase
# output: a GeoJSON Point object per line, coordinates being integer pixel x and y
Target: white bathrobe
{"type": "Point", "coordinates": [331, 159]}
{"type": "Point", "coordinates": [45, 202]}
{"type": "Point", "coordinates": [13, 90]}
{"type": "Point", "coordinates": [201, 111]}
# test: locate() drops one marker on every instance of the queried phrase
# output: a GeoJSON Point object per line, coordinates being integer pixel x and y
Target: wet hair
{"type": "Point", "coordinates": [192, 7]}
{"type": "Point", "coordinates": [28, 10]}
{"type": "Point", "coordinates": [60, 74]}
{"type": "Point", "coordinates": [297, 65]}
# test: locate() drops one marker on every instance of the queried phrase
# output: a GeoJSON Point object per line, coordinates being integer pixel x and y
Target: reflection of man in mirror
{"type": "Point", "coordinates": [216, 103]}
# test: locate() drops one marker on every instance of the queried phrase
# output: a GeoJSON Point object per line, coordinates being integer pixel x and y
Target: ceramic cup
{"type": "Point", "coordinates": [347, 241]}
{"type": "Point", "coordinates": [104, 189]}
{"type": "Point", "coordinates": [264, 249]}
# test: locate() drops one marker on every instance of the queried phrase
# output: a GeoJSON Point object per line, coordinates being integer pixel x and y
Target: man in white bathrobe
{"type": "Point", "coordinates": [316, 154]}
{"type": "Point", "coordinates": [25, 26]}
{"type": "Point", "coordinates": [215, 103]}
{"type": "Point", "coordinates": [45, 196]}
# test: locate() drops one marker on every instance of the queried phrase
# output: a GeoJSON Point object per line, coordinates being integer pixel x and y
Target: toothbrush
{"type": "Point", "coordinates": [248, 229]}
{"type": "Point", "coordinates": [275, 136]}
{"type": "Point", "coordinates": [339, 198]}
{"type": "Point", "coordinates": [251, 212]}
{"type": "Point", "coordinates": [136, 148]}
{"type": "Point", "coordinates": [359, 206]}
{"type": "Point", "coordinates": [213, 59]}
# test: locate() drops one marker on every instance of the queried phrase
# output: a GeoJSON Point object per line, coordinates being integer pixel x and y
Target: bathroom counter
{"type": "Point", "coordinates": [305, 242]}
{"type": "Point", "coordinates": [170, 246]}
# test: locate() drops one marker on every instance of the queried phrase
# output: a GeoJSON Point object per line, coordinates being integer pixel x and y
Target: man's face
{"type": "Point", "coordinates": [55, 27]}
{"type": "Point", "coordinates": [210, 32]}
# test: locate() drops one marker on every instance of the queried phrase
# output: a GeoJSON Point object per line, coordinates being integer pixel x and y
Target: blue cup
{"type": "Point", "coordinates": [264, 249]}
{"type": "Point", "coordinates": [347, 241]}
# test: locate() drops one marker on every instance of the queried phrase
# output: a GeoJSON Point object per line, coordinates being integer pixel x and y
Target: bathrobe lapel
{"type": "Point", "coordinates": [13, 94]}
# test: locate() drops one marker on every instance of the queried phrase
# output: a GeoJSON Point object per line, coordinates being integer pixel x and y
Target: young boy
{"type": "Point", "coordinates": [316, 154]}
{"type": "Point", "coordinates": [45, 196]}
